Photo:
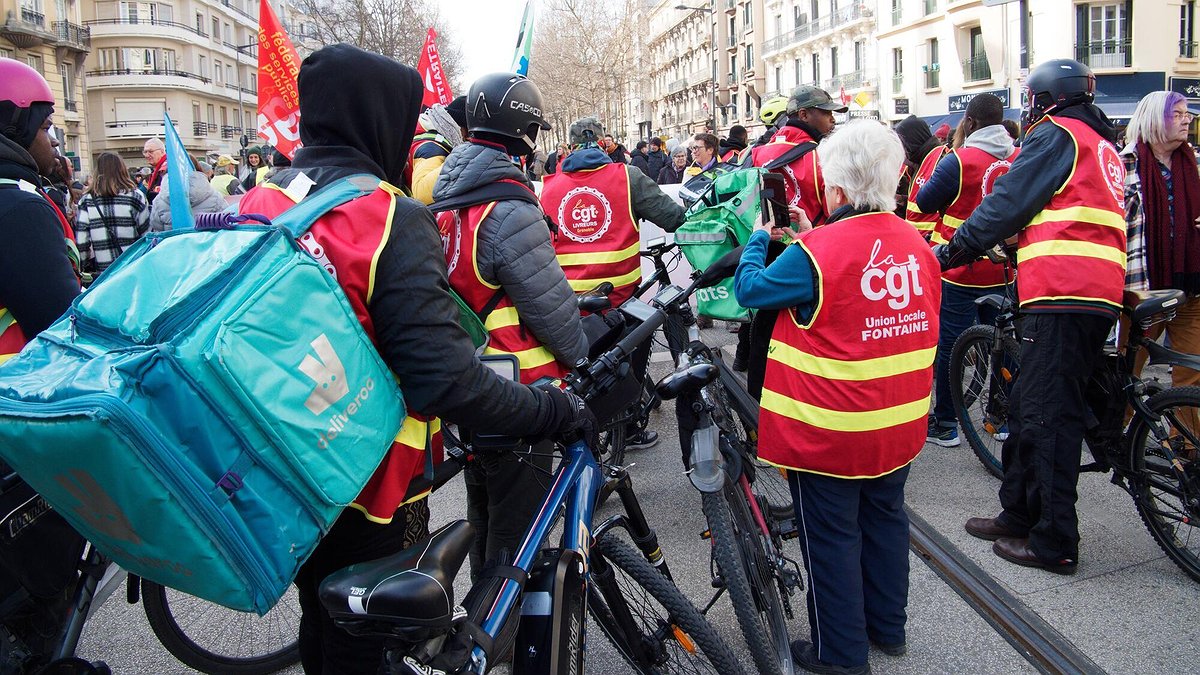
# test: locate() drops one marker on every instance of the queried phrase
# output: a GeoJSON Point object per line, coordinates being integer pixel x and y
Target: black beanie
{"type": "Point", "coordinates": [21, 125]}
{"type": "Point", "coordinates": [279, 159]}
{"type": "Point", "coordinates": [458, 110]}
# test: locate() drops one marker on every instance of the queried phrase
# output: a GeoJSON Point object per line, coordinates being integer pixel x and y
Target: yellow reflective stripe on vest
{"type": "Point", "coordinates": [840, 420]}
{"type": "Point", "coordinates": [415, 434]}
{"type": "Point", "coordinates": [528, 358]}
{"type": "Point", "coordinates": [1083, 249]}
{"type": "Point", "coordinates": [502, 318]}
{"type": "Point", "coordinates": [1081, 214]}
{"type": "Point", "coordinates": [579, 285]}
{"type": "Point", "coordinates": [856, 371]}
{"type": "Point", "coordinates": [952, 221]}
{"type": "Point", "coordinates": [565, 259]}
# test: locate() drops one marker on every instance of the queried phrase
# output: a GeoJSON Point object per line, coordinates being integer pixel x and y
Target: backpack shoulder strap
{"type": "Point", "coordinates": [793, 154]}
{"type": "Point", "coordinates": [492, 192]}
{"type": "Point", "coordinates": [307, 211]}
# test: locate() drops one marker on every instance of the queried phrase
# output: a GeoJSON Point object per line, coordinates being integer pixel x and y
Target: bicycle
{"type": "Point", "coordinates": [408, 598]}
{"type": "Point", "coordinates": [745, 530]}
{"type": "Point", "coordinates": [1154, 456]}
{"type": "Point", "coordinates": [33, 635]}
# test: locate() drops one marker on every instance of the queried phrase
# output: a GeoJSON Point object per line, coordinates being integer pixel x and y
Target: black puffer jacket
{"type": "Point", "coordinates": [514, 250]}
{"type": "Point", "coordinates": [37, 281]}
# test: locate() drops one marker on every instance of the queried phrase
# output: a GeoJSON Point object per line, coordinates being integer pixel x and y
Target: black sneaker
{"type": "Point", "coordinates": [947, 437]}
{"type": "Point", "coordinates": [642, 440]}
{"type": "Point", "coordinates": [805, 656]}
{"type": "Point", "coordinates": [897, 649]}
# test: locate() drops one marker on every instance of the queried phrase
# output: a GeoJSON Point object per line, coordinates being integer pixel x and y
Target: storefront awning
{"type": "Point", "coordinates": [934, 121]}
{"type": "Point", "coordinates": [1118, 108]}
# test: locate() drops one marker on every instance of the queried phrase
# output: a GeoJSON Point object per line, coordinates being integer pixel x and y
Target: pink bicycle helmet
{"type": "Point", "coordinates": [22, 85]}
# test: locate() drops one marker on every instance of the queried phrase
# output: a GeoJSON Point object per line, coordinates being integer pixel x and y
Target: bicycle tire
{"type": "Point", "coordinates": [280, 645]}
{"type": "Point", "coordinates": [641, 585]}
{"type": "Point", "coordinates": [1156, 491]}
{"type": "Point", "coordinates": [971, 370]}
{"type": "Point", "coordinates": [756, 604]}
{"type": "Point", "coordinates": [770, 482]}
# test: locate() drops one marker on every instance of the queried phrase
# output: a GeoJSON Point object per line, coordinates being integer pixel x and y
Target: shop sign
{"type": "Point", "coordinates": [864, 114]}
{"type": "Point", "coordinates": [1188, 86]}
{"type": "Point", "coordinates": [902, 106]}
{"type": "Point", "coordinates": [959, 102]}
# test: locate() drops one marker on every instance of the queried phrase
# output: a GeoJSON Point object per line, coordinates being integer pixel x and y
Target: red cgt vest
{"type": "Point", "coordinates": [804, 185]}
{"type": "Point", "coordinates": [348, 241]}
{"type": "Point", "coordinates": [1074, 249]}
{"type": "Point", "coordinates": [460, 231]}
{"type": "Point", "coordinates": [598, 238]}
{"type": "Point", "coordinates": [978, 172]}
{"type": "Point", "coordinates": [847, 393]}
{"type": "Point", "coordinates": [12, 338]}
{"type": "Point", "coordinates": [924, 222]}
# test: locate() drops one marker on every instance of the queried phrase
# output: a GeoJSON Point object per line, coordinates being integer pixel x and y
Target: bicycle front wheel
{"type": "Point", "coordinates": [672, 635]}
{"type": "Point", "coordinates": [217, 640]}
{"type": "Point", "coordinates": [980, 384]}
{"type": "Point", "coordinates": [742, 562]}
{"type": "Point", "coordinates": [1167, 495]}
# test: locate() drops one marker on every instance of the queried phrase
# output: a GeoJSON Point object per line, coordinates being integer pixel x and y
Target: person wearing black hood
{"type": "Point", "coordinates": [358, 110]}
{"type": "Point", "coordinates": [922, 152]}
{"type": "Point", "coordinates": [1063, 199]}
{"type": "Point", "coordinates": [38, 258]}
{"type": "Point", "coordinates": [733, 146]}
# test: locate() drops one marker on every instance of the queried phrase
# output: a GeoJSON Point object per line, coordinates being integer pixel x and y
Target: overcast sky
{"type": "Point", "coordinates": [486, 31]}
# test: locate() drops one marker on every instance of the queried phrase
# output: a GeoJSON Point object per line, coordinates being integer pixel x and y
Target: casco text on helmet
{"type": "Point", "coordinates": [508, 107]}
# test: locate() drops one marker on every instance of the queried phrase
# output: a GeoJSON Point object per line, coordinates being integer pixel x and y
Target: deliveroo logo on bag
{"type": "Point", "coordinates": [327, 371]}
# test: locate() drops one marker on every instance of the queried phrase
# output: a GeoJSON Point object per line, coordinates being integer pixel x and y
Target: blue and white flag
{"type": "Point", "coordinates": [179, 174]}
{"type": "Point", "coordinates": [524, 42]}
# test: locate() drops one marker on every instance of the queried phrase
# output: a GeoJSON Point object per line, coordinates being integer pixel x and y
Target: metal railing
{"type": "Point", "coordinates": [677, 86]}
{"type": "Point", "coordinates": [1188, 49]}
{"type": "Point", "coordinates": [72, 34]}
{"type": "Point", "coordinates": [149, 71]}
{"type": "Point", "coordinates": [202, 128]}
{"type": "Point", "coordinates": [229, 131]}
{"type": "Point", "coordinates": [897, 84]}
{"type": "Point", "coordinates": [933, 76]}
{"type": "Point", "coordinates": [33, 18]}
{"type": "Point", "coordinates": [812, 29]}
{"type": "Point", "coordinates": [852, 79]}
{"type": "Point", "coordinates": [976, 68]}
{"type": "Point", "coordinates": [1105, 53]}
{"type": "Point", "coordinates": [134, 21]}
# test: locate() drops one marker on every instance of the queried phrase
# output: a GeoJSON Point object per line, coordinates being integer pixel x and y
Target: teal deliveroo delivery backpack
{"type": "Point", "coordinates": [206, 409]}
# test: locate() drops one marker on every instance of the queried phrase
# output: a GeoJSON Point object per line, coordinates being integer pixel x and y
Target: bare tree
{"type": "Point", "coordinates": [393, 28]}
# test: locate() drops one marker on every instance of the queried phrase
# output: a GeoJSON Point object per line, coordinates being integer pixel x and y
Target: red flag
{"type": "Point", "coordinates": [844, 96]}
{"type": "Point", "coordinates": [278, 95]}
{"type": "Point", "coordinates": [437, 89]}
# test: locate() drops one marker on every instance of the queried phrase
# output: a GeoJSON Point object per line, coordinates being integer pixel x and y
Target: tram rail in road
{"type": "Point", "coordinates": [1035, 639]}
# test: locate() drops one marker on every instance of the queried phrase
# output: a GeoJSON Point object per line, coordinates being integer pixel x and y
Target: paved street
{"type": "Point", "coordinates": [1128, 608]}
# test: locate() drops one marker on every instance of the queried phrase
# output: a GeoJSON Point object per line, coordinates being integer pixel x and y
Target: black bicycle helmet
{"type": "Point", "coordinates": [1058, 84]}
{"type": "Point", "coordinates": [509, 107]}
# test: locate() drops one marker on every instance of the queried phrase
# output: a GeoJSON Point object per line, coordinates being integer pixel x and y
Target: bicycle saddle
{"type": "Point", "coordinates": [1145, 304]}
{"type": "Point", "coordinates": [414, 587]}
{"type": "Point", "coordinates": [691, 378]}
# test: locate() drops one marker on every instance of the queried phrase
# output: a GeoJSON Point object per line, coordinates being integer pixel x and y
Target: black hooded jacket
{"type": "Point", "coordinates": [37, 281]}
{"type": "Point", "coordinates": [358, 111]}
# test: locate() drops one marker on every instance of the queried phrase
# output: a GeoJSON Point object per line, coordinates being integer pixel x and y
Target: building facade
{"type": "Point", "coordinates": [51, 38]}
{"type": "Point", "coordinates": [934, 55]}
{"type": "Point", "coordinates": [825, 43]}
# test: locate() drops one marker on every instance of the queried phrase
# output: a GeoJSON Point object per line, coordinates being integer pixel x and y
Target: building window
{"type": "Point", "coordinates": [897, 14]}
{"type": "Point", "coordinates": [798, 18]}
{"type": "Point", "coordinates": [816, 68]}
{"type": "Point", "coordinates": [749, 56]}
{"type": "Point", "coordinates": [897, 70]}
{"type": "Point", "coordinates": [229, 33]}
{"type": "Point", "coordinates": [212, 116]}
{"type": "Point", "coordinates": [34, 61]}
{"type": "Point", "coordinates": [196, 119]}
{"type": "Point", "coordinates": [6, 53]}
{"type": "Point", "coordinates": [202, 66]}
{"type": "Point", "coordinates": [814, 10]}
{"type": "Point", "coordinates": [67, 72]}
{"type": "Point", "coordinates": [779, 78]}
{"type": "Point", "coordinates": [860, 56]}
{"type": "Point", "coordinates": [778, 24]}
{"type": "Point", "coordinates": [930, 7]}
{"type": "Point", "coordinates": [229, 79]}
{"type": "Point", "coordinates": [748, 15]}
{"type": "Point", "coordinates": [218, 73]}
{"type": "Point", "coordinates": [1187, 28]}
{"type": "Point", "coordinates": [199, 23]}
{"type": "Point", "coordinates": [975, 66]}
{"type": "Point", "coordinates": [833, 62]}
{"type": "Point", "coordinates": [933, 69]}
{"type": "Point", "coordinates": [796, 70]}
{"type": "Point", "coordinates": [1102, 34]}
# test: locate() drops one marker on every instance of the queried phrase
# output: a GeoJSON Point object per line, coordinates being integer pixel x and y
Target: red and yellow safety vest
{"type": "Point", "coordinates": [348, 241]}
{"type": "Point", "coordinates": [978, 172]}
{"type": "Point", "coordinates": [924, 222]}
{"type": "Point", "coordinates": [804, 185]}
{"type": "Point", "coordinates": [460, 232]}
{"type": "Point", "coordinates": [12, 338]}
{"type": "Point", "coordinates": [1073, 251]}
{"type": "Point", "coordinates": [598, 238]}
{"type": "Point", "coordinates": [846, 394]}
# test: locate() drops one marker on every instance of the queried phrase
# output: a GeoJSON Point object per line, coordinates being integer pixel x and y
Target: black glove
{"type": "Point", "coordinates": [574, 416]}
{"type": "Point", "coordinates": [954, 255]}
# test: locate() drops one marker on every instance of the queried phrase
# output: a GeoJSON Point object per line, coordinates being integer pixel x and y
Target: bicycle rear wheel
{"type": "Point", "coordinates": [737, 421]}
{"type": "Point", "coordinates": [742, 562]}
{"type": "Point", "coordinates": [980, 384]}
{"type": "Point", "coordinates": [673, 636]}
{"type": "Point", "coordinates": [214, 639]}
{"type": "Point", "coordinates": [1168, 504]}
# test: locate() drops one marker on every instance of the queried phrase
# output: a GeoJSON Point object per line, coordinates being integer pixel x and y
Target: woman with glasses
{"type": "Point", "coordinates": [1162, 214]}
{"type": "Point", "coordinates": [704, 153]}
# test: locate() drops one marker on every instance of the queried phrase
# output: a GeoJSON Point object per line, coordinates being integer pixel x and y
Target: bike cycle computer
{"type": "Point", "coordinates": [668, 295]}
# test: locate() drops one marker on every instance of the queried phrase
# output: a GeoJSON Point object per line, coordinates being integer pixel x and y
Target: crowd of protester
{"type": "Point", "coordinates": [860, 196]}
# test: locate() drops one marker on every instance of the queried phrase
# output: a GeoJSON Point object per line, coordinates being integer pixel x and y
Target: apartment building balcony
{"type": "Point", "coordinates": [1106, 53]}
{"type": "Point", "coordinates": [73, 36]}
{"type": "Point", "coordinates": [855, 79]}
{"type": "Point", "coordinates": [124, 129]}
{"type": "Point", "coordinates": [842, 18]}
{"type": "Point", "coordinates": [125, 27]}
{"type": "Point", "coordinates": [677, 86]}
{"type": "Point", "coordinates": [26, 28]}
{"type": "Point", "coordinates": [897, 84]}
{"type": "Point", "coordinates": [699, 77]}
{"type": "Point", "coordinates": [976, 68]}
{"type": "Point", "coordinates": [228, 131]}
{"type": "Point", "coordinates": [933, 75]}
{"type": "Point", "coordinates": [1189, 50]}
{"type": "Point", "coordinates": [203, 128]}
{"type": "Point", "coordinates": [731, 6]}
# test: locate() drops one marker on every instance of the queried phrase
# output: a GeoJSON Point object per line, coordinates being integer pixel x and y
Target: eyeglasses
{"type": "Point", "coordinates": [1186, 116]}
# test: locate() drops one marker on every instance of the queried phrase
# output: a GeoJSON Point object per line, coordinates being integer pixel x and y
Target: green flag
{"type": "Point", "coordinates": [524, 42]}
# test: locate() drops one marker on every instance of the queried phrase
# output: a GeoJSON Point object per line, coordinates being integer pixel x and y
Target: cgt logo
{"type": "Point", "coordinates": [584, 214]}
{"type": "Point", "coordinates": [329, 374]}
{"type": "Point", "coordinates": [887, 278]}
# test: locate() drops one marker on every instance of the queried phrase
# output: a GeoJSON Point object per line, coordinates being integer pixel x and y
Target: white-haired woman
{"type": "Point", "coordinates": [846, 391]}
{"type": "Point", "coordinates": [1162, 214]}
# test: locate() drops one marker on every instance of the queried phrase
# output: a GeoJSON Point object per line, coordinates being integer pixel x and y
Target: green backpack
{"type": "Point", "coordinates": [721, 220]}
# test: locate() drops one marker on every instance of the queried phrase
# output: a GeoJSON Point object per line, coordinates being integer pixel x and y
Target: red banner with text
{"type": "Point", "coordinates": [278, 94]}
{"type": "Point", "coordinates": [437, 89]}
